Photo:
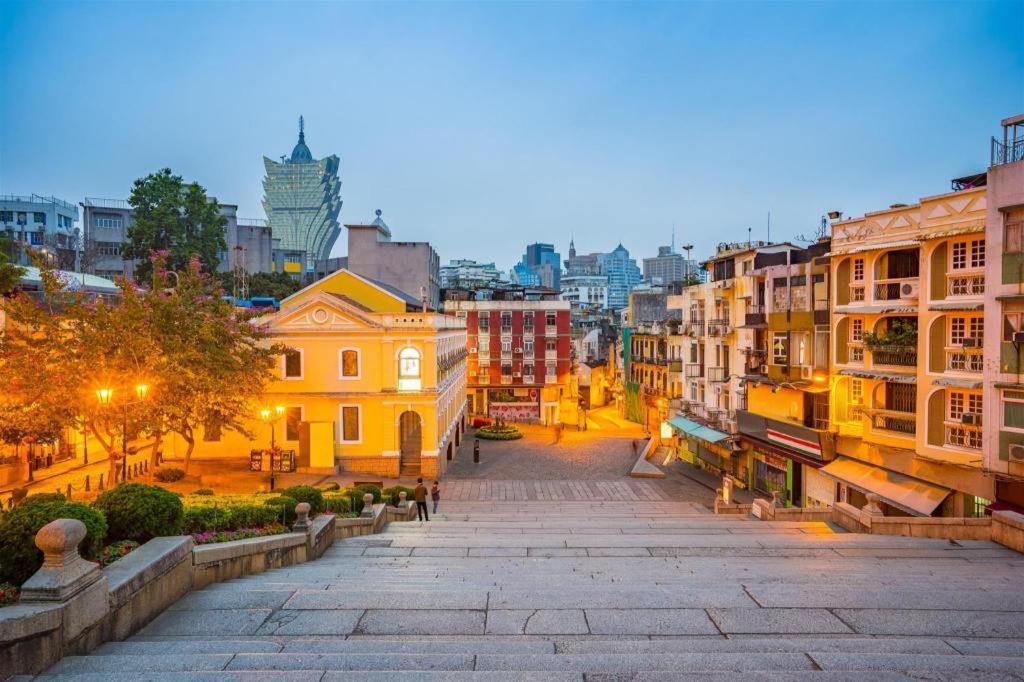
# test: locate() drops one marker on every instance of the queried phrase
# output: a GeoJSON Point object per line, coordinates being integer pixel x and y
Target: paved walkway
{"type": "Point", "coordinates": [647, 590]}
{"type": "Point", "coordinates": [617, 491]}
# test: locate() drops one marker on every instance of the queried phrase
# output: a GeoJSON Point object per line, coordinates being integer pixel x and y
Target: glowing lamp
{"type": "Point", "coordinates": [104, 395]}
{"type": "Point", "coordinates": [141, 391]}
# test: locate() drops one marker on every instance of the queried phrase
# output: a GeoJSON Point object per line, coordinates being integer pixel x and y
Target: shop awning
{"type": "Point", "coordinates": [894, 377]}
{"type": "Point", "coordinates": [692, 428]}
{"type": "Point", "coordinates": [912, 495]}
{"type": "Point", "coordinates": [904, 243]}
{"type": "Point", "coordinates": [954, 305]}
{"type": "Point", "coordinates": [957, 383]}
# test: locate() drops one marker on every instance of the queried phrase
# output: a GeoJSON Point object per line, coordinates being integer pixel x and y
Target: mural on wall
{"type": "Point", "coordinates": [519, 412]}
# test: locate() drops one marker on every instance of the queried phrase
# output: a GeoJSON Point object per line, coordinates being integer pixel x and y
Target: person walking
{"type": "Point", "coordinates": [420, 493]}
{"type": "Point", "coordinates": [435, 495]}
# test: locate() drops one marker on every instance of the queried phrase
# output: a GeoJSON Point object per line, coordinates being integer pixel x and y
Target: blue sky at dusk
{"type": "Point", "coordinates": [481, 127]}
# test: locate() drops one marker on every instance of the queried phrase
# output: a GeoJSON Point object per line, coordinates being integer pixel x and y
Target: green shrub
{"type": "Point", "coordinates": [337, 504]}
{"type": "Point", "coordinates": [284, 508]}
{"type": "Point", "coordinates": [391, 494]}
{"type": "Point", "coordinates": [140, 512]}
{"type": "Point", "coordinates": [251, 515]}
{"type": "Point", "coordinates": [169, 475]}
{"type": "Point", "coordinates": [202, 491]}
{"type": "Point", "coordinates": [361, 490]}
{"type": "Point", "coordinates": [308, 494]}
{"type": "Point", "coordinates": [19, 558]}
{"type": "Point", "coordinates": [42, 498]}
{"type": "Point", "coordinates": [499, 433]}
{"type": "Point", "coordinates": [330, 487]}
{"type": "Point", "coordinates": [202, 519]}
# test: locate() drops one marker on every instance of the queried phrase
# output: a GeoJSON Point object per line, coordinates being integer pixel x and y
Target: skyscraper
{"type": "Point", "coordinates": [302, 198]}
{"type": "Point", "coordinates": [543, 262]}
{"type": "Point", "coordinates": [623, 274]}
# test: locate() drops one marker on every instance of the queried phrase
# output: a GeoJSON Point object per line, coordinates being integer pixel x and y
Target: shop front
{"type": "Point", "coordinates": [787, 458]}
{"type": "Point", "coordinates": [707, 449]}
{"type": "Point", "coordinates": [899, 494]}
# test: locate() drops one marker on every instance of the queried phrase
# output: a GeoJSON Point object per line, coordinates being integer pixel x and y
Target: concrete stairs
{"type": "Point", "coordinates": [596, 591]}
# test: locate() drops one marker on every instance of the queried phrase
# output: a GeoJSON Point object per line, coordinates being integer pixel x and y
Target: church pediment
{"type": "Point", "coordinates": [324, 312]}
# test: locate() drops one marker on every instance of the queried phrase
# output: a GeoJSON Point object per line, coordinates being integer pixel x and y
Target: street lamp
{"type": "Point", "coordinates": [270, 417]}
{"type": "Point", "coordinates": [105, 397]}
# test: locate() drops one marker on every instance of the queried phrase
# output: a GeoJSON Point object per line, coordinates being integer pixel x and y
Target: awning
{"type": "Point", "coordinates": [955, 305]}
{"type": "Point", "coordinates": [872, 247]}
{"type": "Point", "coordinates": [912, 495]}
{"type": "Point", "coordinates": [957, 383]}
{"type": "Point", "coordinates": [874, 374]}
{"type": "Point", "coordinates": [954, 231]}
{"type": "Point", "coordinates": [691, 428]}
{"type": "Point", "coordinates": [872, 309]}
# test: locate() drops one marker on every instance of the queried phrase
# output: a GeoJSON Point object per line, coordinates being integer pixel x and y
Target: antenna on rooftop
{"type": "Point", "coordinates": [769, 226]}
{"type": "Point", "coordinates": [673, 238]}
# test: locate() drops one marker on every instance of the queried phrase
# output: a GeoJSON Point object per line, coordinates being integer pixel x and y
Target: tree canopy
{"type": "Point", "coordinates": [277, 285]}
{"type": "Point", "coordinates": [174, 218]}
{"type": "Point", "coordinates": [10, 272]}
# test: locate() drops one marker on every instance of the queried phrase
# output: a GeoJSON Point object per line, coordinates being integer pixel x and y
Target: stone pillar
{"type": "Point", "coordinates": [66, 578]}
{"type": "Point", "coordinates": [727, 490]}
{"type": "Point", "coordinates": [301, 524]}
{"type": "Point", "coordinates": [777, 499]}
{"type": "Point", "coordinates": [872, 507]}
{"type": "Point", "coordinates": [367, 505]}
{"type": "Point", "coordinates": [401, 498]}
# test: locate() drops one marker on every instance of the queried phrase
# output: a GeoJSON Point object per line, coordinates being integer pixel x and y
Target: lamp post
{"type": "Point", "coordinates": [105, 397]}
{"type": "Point", "coordinates": [270, 416]}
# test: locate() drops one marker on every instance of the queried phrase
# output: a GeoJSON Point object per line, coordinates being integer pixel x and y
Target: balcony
{"type": "Point", "coordinates": [694, 371]}
{"type": "Point", "coordinates": [551, 330]}
{"type": "Point", "coordinates": [675, 365]}
{"type": "Point", "coordinates": [718, 374]}
{"type": "Point", "coordinates": [965, 285]}
{"type": "Point", "coordinates": [857, 293]}
{"type": "Point", "coordinates": [696, 328]}
{"type": "Point", "coordinates": [551, 354]}
{"type": "Point", "coordinates": [961, 436]}
{"type": "Point", "coordinates": [903, 423]}
{"type": "Point", "coordinates": [894, 356]}
{"type": "Point", "coordinates": [754, 315]}
{"type": "Point", "coordinates": [904, 289]}
{"type": "Point", "coordinates": [965, 360]}
{"type": "Point", "coordinates": [718, 327]}
{"type": "Point", "coordinates": [506, 379]}
{"type": "Point", "coordinates": [1009, 151]}
{"type": "Point", "coordinates": [550, 379]}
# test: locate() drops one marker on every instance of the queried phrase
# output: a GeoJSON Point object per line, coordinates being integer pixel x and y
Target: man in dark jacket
{"type": "Point", "coordinates": [420, 493]}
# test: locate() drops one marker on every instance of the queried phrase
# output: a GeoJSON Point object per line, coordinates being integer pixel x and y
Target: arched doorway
{"type": "Point", "coordinates": [410, 438]}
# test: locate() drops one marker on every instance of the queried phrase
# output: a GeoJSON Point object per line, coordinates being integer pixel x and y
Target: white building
{"type": "Point", "coordinates": [44, 224]}
{"type": "Point", "coordinates": [464, 273]}
{"type": "Point", "coordinates": [583, 291]}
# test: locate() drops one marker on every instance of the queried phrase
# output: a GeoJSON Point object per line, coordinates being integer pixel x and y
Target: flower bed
{"type": "Point", "coordinates": [499, 433]}
{"type": "Point", "coordinates": [115, 551]}
{"type": "Point", "coordinates": [8, 594]}
{"type": "Point", "coordinates": [210, 537]}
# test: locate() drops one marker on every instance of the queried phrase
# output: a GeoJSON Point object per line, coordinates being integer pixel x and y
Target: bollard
{"type": "Point", "coordinates": [87, 483]}
{"type": "Point", "coordinates": [145, 466]}
{"type": "Point", "coordinates": [100, 487]}
{"type": "Point", "coordinates": [476, 451]}
{"type": "Point", "coordinates": [301, 524]}
{"type": "Point", "coordinates": [69, 492]}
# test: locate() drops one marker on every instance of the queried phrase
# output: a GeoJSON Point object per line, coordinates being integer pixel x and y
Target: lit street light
{"type": "Point", "coordinates": [105, 397]}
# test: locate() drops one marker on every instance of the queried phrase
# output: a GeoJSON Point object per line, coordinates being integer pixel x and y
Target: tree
{"type": "Point", "coordinates": [279, 285]}
{"type": "Point", "coordinates": [10, 273]}
{"type": "Point", "coordinates": [175, 218]}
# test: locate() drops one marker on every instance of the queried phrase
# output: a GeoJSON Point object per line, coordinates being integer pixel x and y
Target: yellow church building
{"type": "Point", "coordinates": [371, 382]}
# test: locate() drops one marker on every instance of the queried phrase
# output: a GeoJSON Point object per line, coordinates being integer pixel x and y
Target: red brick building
{"type": "Point", "coordinates": [519, 346]}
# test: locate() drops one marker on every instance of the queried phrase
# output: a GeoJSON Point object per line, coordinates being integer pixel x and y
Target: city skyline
{"type": "Point", "coordinates": [592, 139]}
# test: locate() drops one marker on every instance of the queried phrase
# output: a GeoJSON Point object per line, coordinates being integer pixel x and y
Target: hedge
{"type": "Point", "coordinates": [284, 508]}
{"type": "Point", "coordinates": [169, 475]}
{"type": "Point", "coordinates": [308, 494]}
{"type": "Point", "coordinates": [391, 494]}
{"type": "Point", "coordinates": [19, 557]}
{"type": "Point", "coordinates": [140, 512]}
{"type": "Point", "coordinates": [495, 433]}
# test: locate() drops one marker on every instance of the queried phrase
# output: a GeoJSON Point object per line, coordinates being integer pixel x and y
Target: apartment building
{"type": "Point", "coordinates": [653, 369]}
{"type": "Point", "coordinates": [43, 224]}
{"type": "Point", "coordinates": [412, 267]}
{"type": "Point", "coordinates": [909, 289]}
{"type": "Point", "coordinates": [714, 316]}
{"type": "Point", "coordinates": [520, 353]}
{"type": "Point", "coordinates": [1003, 371]}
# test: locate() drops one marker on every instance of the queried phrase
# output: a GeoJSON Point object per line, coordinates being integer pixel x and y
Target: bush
{"type": "Point", "coordinates": [308, 494]}
{"type": "Point", "coordinates": [284, 508]}
{"type": "Point", "coordinates": [330, 487]}
{"type": "Point", "coordinates": [8, 594]}
{"type": "Point", "coordinates": [361, 490]}
{"type": "Point", "coordinates": [19, 558]}
{"type": "Point", "coordinates": [480, 421]}
{"type": "Point", "coordinates": [169, 475]}
{"type": "Point", "coordinates": [337, 504]}
{"type": "Point", "coordinates": [205, 518]}
{"type": "Point", "coordinates": [391, 494]}
{"type": "Point", "coordinates": [499, 433]}
{"type": "Point", "coordinates": [202, 519]}
{"type": "Point", "coordinates": [112, 553]}
{"type": "Point", "coordinates": [140, 512]}
{"type": "Point", "coordinates": [42, 498]}
{"type": "Point", "coordinates": [202, 491]}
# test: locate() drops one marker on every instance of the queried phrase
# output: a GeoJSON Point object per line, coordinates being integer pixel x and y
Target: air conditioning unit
{"type": "Point", "coordinates": [473, 349]}
{"type": "Point", "coordinates": [1018, 337]}
{"type": "Point", "coordinates": [970, 419]}
{"type": "Point", "coordinates": [764, 369]}
{"type": "Point", "coordinates": [909, 290]}
{"type": "Point", "coordinates": [517, 374]}
{"type": "Point", "coordinates": [971, 342]}
{"type": "Point", "coordinates": [1016, 452]}
{"type": "Point", "coordinates": [805, 371]}
{"type": "Point", "coordinates": [518, 350]}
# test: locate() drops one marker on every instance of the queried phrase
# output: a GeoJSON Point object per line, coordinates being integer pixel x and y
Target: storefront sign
{"type": "Point", "coordinates": [812, 448]}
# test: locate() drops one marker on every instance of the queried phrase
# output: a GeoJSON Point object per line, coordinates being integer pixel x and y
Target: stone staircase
{"type": "Point", "coordinates": [567, 590]}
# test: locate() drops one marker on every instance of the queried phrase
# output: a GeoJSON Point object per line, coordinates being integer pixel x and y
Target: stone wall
{"type": "Point", "coordinates": [1008, 529]}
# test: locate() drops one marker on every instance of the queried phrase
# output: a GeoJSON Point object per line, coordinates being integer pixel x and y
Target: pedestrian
{"type": "Point", "coordinates": [420, 493]}
{"type": "Point", "coordinates": [435, 495]}
{"type": "Point", "coordinates": [634, 447]}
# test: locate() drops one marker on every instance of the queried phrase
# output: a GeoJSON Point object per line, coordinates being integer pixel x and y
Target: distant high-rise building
{"type": "Point", "coordinates": [469, 274]}
{"type": "Point", "coordinates": [544, 262]}
{"type": "Point", "coordinates": [667, 267]}
{"type": "Point", "coordinates": [622, 272]}
{"type": "Point", "coordinates": [302, 198]}
{"type": "Point", "coordinates": [581, 265]}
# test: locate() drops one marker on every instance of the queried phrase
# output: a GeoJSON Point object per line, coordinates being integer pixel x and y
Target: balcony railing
{"type": "Point", "coordinates": [854, 412]}
{"type": "Point", "coordinates": [694, 371]}
{"type": "Point", "coordinates": [675, 365]}
{"type": "Point", "coordinates": [898, 422]}
{"type": "Point", "coordinates": [550, 379]}
{"type": "Point", "coordinates": [696, 328]}
{"type": "Point", "coordinates": [962, 360]}
{"type": "Point", "coordinates": [965, 285]}
{"type": "Point", "coordinates": [892, 289]}
{"type": "Point", "coordinates": [718, 327]}
{"type": "Point", "coordinates": [718, 374]}
{"type": "Point", "coordinates": [551, 330]}
{"type": "Point", "coordinates": [506, 379]}
{"type": "Point", "coordinates": [1010, 152]}
{"type": "Point", "coordinates": [896, 356]}
{"type": "Point", "coordinates": [551, 354]}
{"type": "Point", "coordinates": [960, 436]}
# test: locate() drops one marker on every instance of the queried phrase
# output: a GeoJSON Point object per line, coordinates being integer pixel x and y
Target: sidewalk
{"type": "Point", "coordinates": [710, 481]}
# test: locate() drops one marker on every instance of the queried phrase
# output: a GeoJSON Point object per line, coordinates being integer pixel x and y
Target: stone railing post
{"type": "Point", "coordinates": [777, 499]}
{"type": "Point", "coordinates": [727, 490]}
{"type": "Point", "coordinates": [65, 577]}
{"type": "Point", "coordinates": [367, 505]}
{"type": "Point", "coordinates": [872, 508]}
{"type": "Point", "coordinates": [301, 524]}
{"type": "Point", "coordinates": [401, 498]}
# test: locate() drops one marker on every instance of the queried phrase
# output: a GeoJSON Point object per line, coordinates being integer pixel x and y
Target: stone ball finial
{"type": "Point", "coordinates": [60, 538]}
{"type": "Point", "coordinates": [368, 500]}
{"type": "Point", "coordinates": [301, 516]}
{"type": "Point", "coordinates": [401, 498]}
{"type": "Point", "coordinates": [872, 507]}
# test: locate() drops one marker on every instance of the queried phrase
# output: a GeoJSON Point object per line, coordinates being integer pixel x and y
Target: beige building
{"type": "Point", "coordinates": [909, 293]}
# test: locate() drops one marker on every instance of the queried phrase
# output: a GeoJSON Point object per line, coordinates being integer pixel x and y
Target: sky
{"type": "Point", "coordinates": [484, 127]}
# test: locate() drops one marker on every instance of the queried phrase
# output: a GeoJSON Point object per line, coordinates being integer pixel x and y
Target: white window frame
{"type": "Point", "coordinates": [854, 275]}
{"type": "Point", "coordinates": [506, 345]}
{"type": "Point", "coordinates": [856, 330]}
{"type": "Point", "coordinates": [856, 391]}
{"type": "Point", "coordinates": [302, 365]}
{"type": "Point", "coordinates": [341, 423]}
{"type": "Point", "coordinates": [418, 378]}
{"type": "Point", "coordinates": [528, 346]}
{"type": "Point", "coordinates": [341, 364]}
{"type": "Point", "coordinates": [1002, 412]}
